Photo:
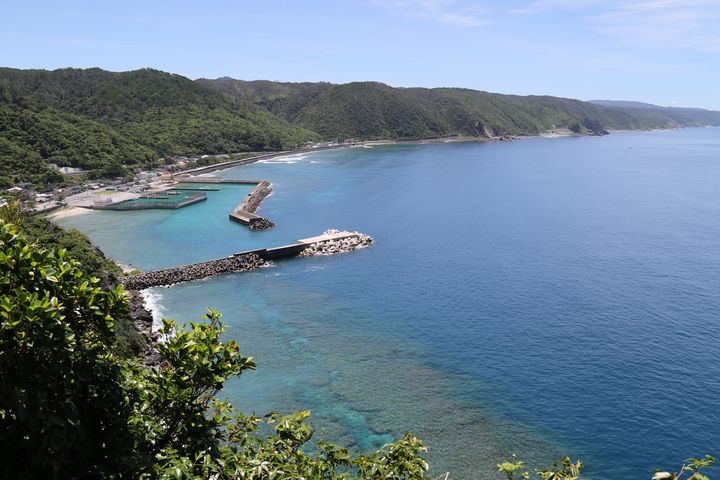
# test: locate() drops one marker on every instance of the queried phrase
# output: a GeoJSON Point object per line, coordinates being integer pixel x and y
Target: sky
{"type": "Point", "coordinates": [665, 52]}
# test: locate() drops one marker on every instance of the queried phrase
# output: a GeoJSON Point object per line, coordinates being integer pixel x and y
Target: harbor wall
{"type": "Point", "coordinates": [245, 212]}
{"type": "Point", "coordinates": [329, 243]}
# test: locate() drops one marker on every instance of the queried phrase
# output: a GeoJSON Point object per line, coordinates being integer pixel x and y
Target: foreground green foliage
{"type": "Point", "coordinates": [692, 469]}
{"type": "Point", "coordinates": [129, 342]}
{"type": "Point", "coordinates": [566, 469]}
{"type": "Point", "coordinates": [61, 400]}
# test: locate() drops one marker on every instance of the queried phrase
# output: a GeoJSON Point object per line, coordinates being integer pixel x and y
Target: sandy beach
{"type": "Point", "coordinates": [68, 212]}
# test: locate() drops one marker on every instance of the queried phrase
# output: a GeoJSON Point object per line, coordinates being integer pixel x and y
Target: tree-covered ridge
{"type": "Point", "coordinates": [374, 110]}
{"type": "Point", "coordinates": [96, 119]}
{"type": "Point", "coordinates": [32, 137]}
{"type": "Point", "coordinates": [687, 117]}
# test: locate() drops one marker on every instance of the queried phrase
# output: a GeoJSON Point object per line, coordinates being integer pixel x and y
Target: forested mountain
{"type": "Point", "coordinates": [684, 117]}
{"type": "Point", "coordinates": [105, 121]}
{"type": "Point", "coordinates": [96, 119]}
{"type": "Point", "coordinates": [376, 110]}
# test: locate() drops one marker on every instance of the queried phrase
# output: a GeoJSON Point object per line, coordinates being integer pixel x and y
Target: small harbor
{"type": "Point", "coordinates": [180, 192]}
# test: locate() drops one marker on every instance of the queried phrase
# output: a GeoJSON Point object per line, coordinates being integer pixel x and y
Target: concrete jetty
{"type": "Point", "coordinates": [245, 212]}
{"type": "Point", "coordinates": [331, 242]}
{"type": "Point", "coordinates": [215, 180]}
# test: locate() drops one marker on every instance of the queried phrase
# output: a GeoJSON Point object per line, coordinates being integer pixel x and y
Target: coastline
{"type": "Point", "coordinates": [560, 133]}
{"type": "Point", "coordinates": [144, 302]}
{"type": "Point", "coordinates": [420, 141]}
{"type": "Point", "coordinates": [68, 211]}
{"type": "Point", "coordinates": [364, 144]}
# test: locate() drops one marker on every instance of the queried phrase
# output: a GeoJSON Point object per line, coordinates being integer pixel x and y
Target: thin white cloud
{"type": "Point", "coordinates": [539, 6]}
{"type": "Point", "coordinates": [666, 23]}
{"type": "Point", "coordinates": [450, 12]}
{"type": "Point", "coordinates": [673, 23]}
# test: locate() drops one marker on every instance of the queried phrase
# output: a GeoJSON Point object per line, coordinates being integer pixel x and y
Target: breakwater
{"type": "Point", "coordinates": [195, 271]}
{"type": "Point", "coordinates": [245, 212]}
{"type": "Point", "coordinates": [330, 242]}
{"type": "Point", "coordinates": [337, 242]}
{"type": "Point", "coordinates": [254, 198]}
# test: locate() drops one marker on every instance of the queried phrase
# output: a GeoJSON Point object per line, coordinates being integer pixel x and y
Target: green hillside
{"type": "Point", "coordinates": [98, 120]}
{"type": "Point", "coordinates": [686, 117]}
{"type": "Point", "coordinates": [375, 110]}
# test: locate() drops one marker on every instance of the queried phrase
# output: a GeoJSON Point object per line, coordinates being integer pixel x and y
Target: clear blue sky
{"type": "Point", "coordinates": [660, 51]}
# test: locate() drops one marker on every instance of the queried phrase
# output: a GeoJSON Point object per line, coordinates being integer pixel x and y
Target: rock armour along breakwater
{"type": "Point", "coordinates": [251, 203]}
{"type": "Point", "coordinates": [340, 245]}
{"type": "Point", "coordinates": [329, 243]}
{"type": "Point", "coordinates": [196, 271]}
{"type": "Point", "coordinates": [245, 212]}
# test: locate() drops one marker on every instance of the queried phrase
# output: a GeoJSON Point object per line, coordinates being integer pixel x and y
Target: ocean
{"type": "Point", "coordinates": [543, 297]}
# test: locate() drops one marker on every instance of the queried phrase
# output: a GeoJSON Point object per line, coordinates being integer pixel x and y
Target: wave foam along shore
{"type": "Point", "coordinates": [153, 302]}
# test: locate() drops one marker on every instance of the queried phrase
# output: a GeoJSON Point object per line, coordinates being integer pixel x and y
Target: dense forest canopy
{"type": "Point", "coordinates": [93, 119]}
{"type": "Point", "coordinates": [370, 110]}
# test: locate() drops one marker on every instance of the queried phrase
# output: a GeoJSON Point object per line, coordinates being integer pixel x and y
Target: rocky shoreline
{"type": "Point", "coordinates": [142, 319]}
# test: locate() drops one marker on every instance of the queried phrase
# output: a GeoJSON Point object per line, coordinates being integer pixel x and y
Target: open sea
{"type": "Point", "coordinates": [543, 297]}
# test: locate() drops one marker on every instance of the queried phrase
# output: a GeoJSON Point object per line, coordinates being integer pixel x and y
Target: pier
{"type": "Point", "coordinates": [245, 212]}
{"type": "Point", "coordinates": [330, 242]}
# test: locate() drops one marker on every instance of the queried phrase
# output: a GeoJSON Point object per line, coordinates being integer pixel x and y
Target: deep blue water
{"type": "Point", "coordinates": [542, 297]}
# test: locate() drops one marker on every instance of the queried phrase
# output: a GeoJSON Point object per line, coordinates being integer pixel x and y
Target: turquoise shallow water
{"type": "Point", "coordinates": [542, 297]}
